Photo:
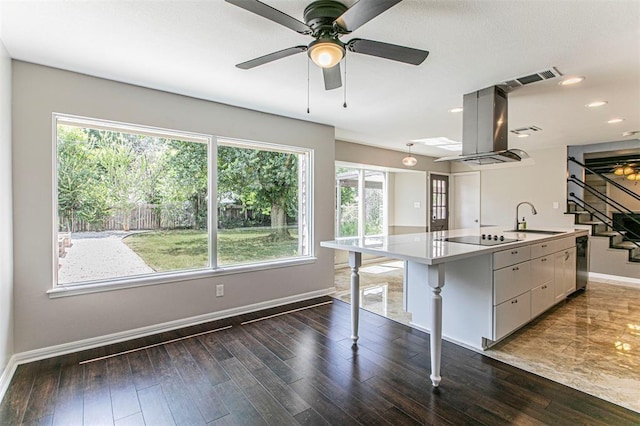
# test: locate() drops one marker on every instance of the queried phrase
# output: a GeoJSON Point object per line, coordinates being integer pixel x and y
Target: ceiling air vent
{"type": "Point", "coordinates": [526, 130]}
{"type": "Point", "coordinates": [532, 78]}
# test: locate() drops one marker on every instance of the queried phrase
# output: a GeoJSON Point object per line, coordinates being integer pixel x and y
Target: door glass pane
{"type": "Point", "coordinates": [374, 203]}
{"type": "Point", "coordinates": [347, 202]}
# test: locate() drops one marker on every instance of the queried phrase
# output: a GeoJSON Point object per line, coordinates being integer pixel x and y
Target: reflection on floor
{"type": "Point", "coordinates": [590, 342]}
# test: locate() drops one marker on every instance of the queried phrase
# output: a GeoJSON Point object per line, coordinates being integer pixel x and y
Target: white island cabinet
{"type": "Point", "coordinates": [471, 294]}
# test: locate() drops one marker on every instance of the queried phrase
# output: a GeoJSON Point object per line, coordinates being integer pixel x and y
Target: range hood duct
{"type": "Point", "coordinates": [484, 131]}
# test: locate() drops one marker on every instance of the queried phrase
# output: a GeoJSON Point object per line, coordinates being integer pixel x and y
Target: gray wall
{"type": "Point", "coordinates": [40, 321]}
{"type": "Point", "coordinates": [364, 154]}
{"type": "Point", "coordinates": [6, 233]}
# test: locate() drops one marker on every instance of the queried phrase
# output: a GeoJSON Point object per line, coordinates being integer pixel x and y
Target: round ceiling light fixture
{"type": "Point", "coordinates": [523, 135]}
{"type": "Point", "coordinates": [596, 104]}
{"type": "Point", "coordinates": [571, 81]}
{"type": "Point", "coordinates": [409, 160]}
{"type": "Point", "coordinates": [456, 109]}
{"type": "Point", "coordinates": [326, 52]}
{"type": "Point", "coordinates": [615, 120]}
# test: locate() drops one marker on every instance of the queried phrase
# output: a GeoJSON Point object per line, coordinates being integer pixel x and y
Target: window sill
{"type": "Point", "coordinates": [120, 284]}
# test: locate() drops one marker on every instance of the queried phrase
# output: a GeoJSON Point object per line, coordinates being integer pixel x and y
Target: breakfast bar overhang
{"type": "Point", "coordinates": [469, 269]}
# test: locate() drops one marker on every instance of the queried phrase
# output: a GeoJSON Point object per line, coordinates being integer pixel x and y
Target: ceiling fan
{"type": "Point", "coordinates": [326, 21]}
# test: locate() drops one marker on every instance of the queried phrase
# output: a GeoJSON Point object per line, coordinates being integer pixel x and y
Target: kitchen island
{"type": "Point", "coordinates": [494, 284]}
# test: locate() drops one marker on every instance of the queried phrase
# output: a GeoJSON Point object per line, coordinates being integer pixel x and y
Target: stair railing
{"type": "Point", "coordinates": [623, 210]}
{"type": "Point", "coordinates": [608, 222]}
{"type": "Point", "coordinates": [606, 179]}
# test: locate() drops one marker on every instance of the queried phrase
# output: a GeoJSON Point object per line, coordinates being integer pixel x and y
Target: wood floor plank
{"type": "Point", "coordinates": [14, 403]}
{"type": "Point", "coordinates": [242, 412]}
{"type": "Point", "coordinates": [124, 398]}
{"type": "Point", "coordinates": [155, 409]}
{"type": "Point", "coordinates": [268, 407]}
{"type": "Point", "coordinates": [199, 389]}
{"type": "Point", "coordinates": [310, 417]}
{"type": "Point", "coordinates": [142, 370]}
{"type": "Point", "coordinates": [97, 400]}
{"type": "Point", "coordinates": [42, 398]}
{"type": "Point", "coordinates": [183, 408]}
{"type": "Point", "coordinates": [322, 405]}
{"type": "Point", "coordinates": [211, 369]}
{"type": "Point", "coordinates": [69, 408]}
{"type": "Point", "coordinates": [135, 419]}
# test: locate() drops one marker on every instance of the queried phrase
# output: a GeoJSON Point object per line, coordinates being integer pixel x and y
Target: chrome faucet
{"type": "Point", "coordinates": [533, 210]}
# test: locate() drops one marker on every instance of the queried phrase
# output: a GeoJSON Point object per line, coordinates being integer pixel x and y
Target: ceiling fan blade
{"type": "Point", "coordinates": [394, 52]}
{"type": "Point", "coordinates": [332, 77]}
{"type": "Point", "coordinates": [271, 57]}
{"type": "Point", "coordinates": [272, 14]}
{"type": "Point", "coordinates": [362, 12]}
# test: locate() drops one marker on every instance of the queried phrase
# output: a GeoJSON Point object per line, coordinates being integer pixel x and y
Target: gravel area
{"type": "Point", "coordinates": [99, 255]}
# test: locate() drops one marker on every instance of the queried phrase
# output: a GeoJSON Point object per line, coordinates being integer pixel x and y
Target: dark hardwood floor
{"type": "Point", "coordinates": [297, 368]}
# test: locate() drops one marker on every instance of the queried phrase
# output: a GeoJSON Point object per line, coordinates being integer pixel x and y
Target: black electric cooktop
{"type": "Point", "coordinates": [480, 240]}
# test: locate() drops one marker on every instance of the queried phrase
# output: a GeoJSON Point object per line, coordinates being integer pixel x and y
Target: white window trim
{"type": "Point", "coordinates": [111, 284]}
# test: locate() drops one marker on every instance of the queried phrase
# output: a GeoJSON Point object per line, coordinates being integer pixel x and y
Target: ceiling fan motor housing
{"type": "Point", "coordinates": [320, 16]}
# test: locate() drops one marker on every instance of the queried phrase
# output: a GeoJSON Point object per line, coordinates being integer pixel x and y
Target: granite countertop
{"type": "Point", "coordinates": [429, 247]}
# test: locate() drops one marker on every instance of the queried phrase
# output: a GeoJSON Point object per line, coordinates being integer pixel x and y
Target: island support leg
{"type": "Point", "coordinates": [435, 278]}
{"type": "Point", "coordinates": [355, 260]}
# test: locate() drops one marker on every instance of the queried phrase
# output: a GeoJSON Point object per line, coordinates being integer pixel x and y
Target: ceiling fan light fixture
{"type": "Point", "coordinates": [326, 53]}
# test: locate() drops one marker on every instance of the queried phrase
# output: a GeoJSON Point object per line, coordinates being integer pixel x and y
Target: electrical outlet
{"type": "Point", "coordinates": [220, 290]}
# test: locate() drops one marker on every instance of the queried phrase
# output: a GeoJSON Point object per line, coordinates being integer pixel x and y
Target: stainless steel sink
{"type": "Point", "coordinates": [536, 231]}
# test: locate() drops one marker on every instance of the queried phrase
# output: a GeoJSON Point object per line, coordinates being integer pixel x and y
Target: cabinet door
{"type": "Point", "coordinates": [511, 314]}
{"type": "Point", "coordinates": [541, 298]}
{"type": "Point", "coordinates": [570, 271]}
{"type": "Point", "coordinates": [558, 276]}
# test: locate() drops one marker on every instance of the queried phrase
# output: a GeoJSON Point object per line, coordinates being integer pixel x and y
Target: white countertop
{"type": "Point", "coordinates": [428, 247]}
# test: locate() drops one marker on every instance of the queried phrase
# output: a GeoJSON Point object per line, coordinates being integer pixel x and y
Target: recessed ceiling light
{"type": "Point", "coordinates": [438, 141]}
{"type": "Point", "coordinates": [571, 80]}
{"type": "Point", "coordinates": [523, 135]}
{"type": "Point", "coordinates": [456, 109]}
{"type": "Point", "coordinates": [596, 104]}
{"type": "Point", "coordinates": [615, 120]}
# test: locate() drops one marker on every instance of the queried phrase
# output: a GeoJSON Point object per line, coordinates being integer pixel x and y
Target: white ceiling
{"type": "Point", "coordinates": [191, 47]}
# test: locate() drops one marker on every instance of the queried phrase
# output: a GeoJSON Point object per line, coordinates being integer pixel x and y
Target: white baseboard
{"type": "Point", "coordinates": [614, 279]}
{"type": "Point", "coordinates": [94, 342]}
{"type": "Point", "coordinates": [7, 374]}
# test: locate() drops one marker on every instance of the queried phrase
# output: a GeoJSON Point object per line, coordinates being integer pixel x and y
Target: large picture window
{"type": "Point", "coordinates": [134, 202]}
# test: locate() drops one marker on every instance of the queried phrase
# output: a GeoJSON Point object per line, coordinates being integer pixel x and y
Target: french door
{"type": "Point", "coordinates": [438, 202]}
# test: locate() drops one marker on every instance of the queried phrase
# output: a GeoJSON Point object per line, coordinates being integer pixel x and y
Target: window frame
{"type": "Point", "coordinates": [213, 270]}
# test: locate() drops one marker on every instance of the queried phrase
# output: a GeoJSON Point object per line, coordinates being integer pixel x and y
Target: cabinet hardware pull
{"type": "Point", "coordinates": [544, 286]}
{"type": "Point", "coordinates": [544, 259]}
{"type": "Point", "coordinates": [514, 252]}
{"type": "Point", "coordinates": [516, 269]}
{"type": "Point", "coordinates": [544, 246]}
{"type": "Point", "coordinates": [514, 301]}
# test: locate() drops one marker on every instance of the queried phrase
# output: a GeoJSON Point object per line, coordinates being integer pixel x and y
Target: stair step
{"type": "Point", "coordinates": [610, 233]}
{"type": "Point", "coordinates": [626, 245]}
{"type": "Point", "coordinates": [592, 222]}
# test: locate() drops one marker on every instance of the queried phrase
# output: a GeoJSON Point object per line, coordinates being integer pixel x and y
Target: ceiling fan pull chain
{"type": "Point", "coordinates": [344, 105]}
{"type": "Point", "coordinates": [308, 85]}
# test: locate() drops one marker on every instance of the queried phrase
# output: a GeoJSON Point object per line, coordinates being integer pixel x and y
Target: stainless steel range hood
{"type": "Point", "coordinates": [484, 131]}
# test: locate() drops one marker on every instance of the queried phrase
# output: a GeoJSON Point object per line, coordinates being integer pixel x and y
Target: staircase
{"type": "Point", "coordinates": [614, 245]}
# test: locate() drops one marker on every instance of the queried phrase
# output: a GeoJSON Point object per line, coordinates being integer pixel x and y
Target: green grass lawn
{"type": "Point", "coordinates": [187, 249]}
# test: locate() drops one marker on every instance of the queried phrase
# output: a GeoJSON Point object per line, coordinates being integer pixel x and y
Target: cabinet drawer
{"type": "Point", "coordinates": [511, 281]}
{"type": "Point", "coordinates": [511, 257]}
{"type": "Point", "coordinates": [544, 249]}
{"type": "Point", "coordinates": [511, 314]}
{"type": "Point", "coordinates": [541, 270]}
{"type": "Point", "coordinates": [542, 298]}
{"type": "Point", "coordinates": [565, 243]}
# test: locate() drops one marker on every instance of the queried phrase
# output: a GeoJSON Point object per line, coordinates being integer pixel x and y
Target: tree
{"type": "Point", "coordinates": [266, 181]}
